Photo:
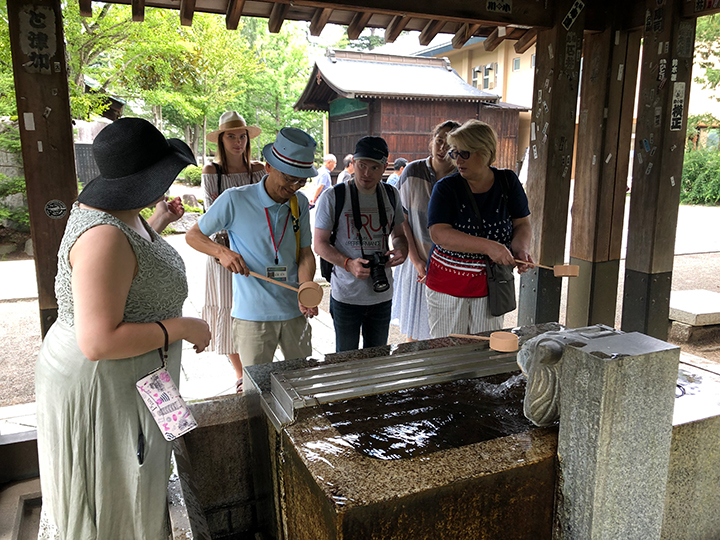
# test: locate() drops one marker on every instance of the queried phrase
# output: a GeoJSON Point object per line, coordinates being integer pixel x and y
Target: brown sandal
{"type": "Point", "coordinates": [239, 386]}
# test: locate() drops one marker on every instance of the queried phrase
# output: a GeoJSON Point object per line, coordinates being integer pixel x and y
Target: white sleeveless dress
{"type": "Point", "coordinates": [218, 280]}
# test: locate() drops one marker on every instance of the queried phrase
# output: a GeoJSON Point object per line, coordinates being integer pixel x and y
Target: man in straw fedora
{"type": "Point", "coordinates": [269, 229]}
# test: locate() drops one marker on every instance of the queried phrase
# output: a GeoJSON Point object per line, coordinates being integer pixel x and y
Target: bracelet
{"type": "Point", "coordinates": [345, 265]}
{"type": "Point", "coordinates": [163, 355]}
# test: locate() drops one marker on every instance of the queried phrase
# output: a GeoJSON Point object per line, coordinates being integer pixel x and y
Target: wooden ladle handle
{"type": "Point", "coordinates": [534, 264]}
{"type": "Point", "coordinates": [470, 336]}
{"type": "Point", "coordinates": [271, 280]}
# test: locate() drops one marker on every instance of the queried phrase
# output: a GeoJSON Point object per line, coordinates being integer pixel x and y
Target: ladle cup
{"type": "Point", "coordinates": [559, 270]}
{"type": "Point", "coordinates": [309, 293]}
{"type": "Point", "coordinates": [499, 341]}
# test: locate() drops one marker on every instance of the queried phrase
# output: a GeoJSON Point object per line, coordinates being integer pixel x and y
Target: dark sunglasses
{"type": "Point", "coordinates": [461, 153]}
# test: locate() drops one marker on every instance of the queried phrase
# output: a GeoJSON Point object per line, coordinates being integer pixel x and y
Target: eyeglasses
{"type": "Point", "coordinates": [293, 180]}
{"type": "Point", "coordinates": [454, 154]}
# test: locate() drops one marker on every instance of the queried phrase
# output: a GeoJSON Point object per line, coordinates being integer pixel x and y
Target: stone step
{"type": "Point", "coordinates": [20, 504]}
{"type": "Point", "coordinates": [696, 308]}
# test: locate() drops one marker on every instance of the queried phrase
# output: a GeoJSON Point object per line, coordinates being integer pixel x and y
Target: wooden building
{"type": "Point", "coordinates": [401, 98]}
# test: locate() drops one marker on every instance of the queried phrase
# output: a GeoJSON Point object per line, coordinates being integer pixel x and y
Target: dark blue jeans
{"type": "Point", "coordinates": [350, 319]}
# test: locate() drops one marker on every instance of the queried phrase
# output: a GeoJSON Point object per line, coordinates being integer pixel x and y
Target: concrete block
{"type": "Point", "coordinates": [696, 308]}
{"type": "Point", "coordinates": [29, 247]}
{"type": "Point", "coordinates": [616, 410]}
{"type": "Point", "coordinates": [686, 333]}
{"type": "Point", "coordinates": [220, 455]}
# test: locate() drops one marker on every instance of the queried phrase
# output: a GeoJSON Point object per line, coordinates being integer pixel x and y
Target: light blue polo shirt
{"type": "Point", "coordinates": [241, 211]}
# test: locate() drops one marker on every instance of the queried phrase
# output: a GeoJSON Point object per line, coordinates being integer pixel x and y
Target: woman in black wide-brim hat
{"type": "Point", "coordinates": [104, 463]}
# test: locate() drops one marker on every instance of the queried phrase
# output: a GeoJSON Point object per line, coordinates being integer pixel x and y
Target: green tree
{"type": "Point", "coordinates": [707, 51]}
{"type": "Point", "coordinates": [272, 92]}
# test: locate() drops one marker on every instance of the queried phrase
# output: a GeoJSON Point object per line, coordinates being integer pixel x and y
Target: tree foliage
{"type": "Point", "coordinates": [707, 50]}
{"type": "Point", "coordinates": [181, 78]}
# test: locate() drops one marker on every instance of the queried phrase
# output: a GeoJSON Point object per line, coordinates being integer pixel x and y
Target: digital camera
{"type": "Point", "coordinates": [376, 264]}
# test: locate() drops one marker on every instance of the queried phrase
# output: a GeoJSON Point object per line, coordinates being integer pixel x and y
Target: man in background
{"type": "Point", "coordinates": [323, 177]}
{"type": "Point", "coordinates": [398, 167]}
{"type": "Point", "coordinates": [348, 170]}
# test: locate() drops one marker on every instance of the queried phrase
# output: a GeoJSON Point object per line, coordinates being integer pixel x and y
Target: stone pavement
{"type": "Point", "coordinates": [697, 264]}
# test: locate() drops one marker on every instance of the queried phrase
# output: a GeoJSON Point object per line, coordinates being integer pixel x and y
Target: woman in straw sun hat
{"type": "Point", "coordinates": [120, 289]}
{"type": "Point", "coordinates": [232, 168]}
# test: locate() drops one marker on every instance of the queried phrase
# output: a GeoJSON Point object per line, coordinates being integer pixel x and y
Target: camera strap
{"type": "Point", "coordinates": [354, 200]}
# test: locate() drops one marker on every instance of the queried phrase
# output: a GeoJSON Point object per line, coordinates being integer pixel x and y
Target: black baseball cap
{"type": "Point", "coordinates": [372, 148]}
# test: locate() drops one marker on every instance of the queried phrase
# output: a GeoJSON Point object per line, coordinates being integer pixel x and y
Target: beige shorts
{"type": "Point", "coordinates": [256, 341]}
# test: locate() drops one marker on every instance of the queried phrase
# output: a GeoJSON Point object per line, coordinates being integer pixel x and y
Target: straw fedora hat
{"type": "Point", "coordinates": [232, 120]}
{"type": "Point", "coordinates": [137, 165]}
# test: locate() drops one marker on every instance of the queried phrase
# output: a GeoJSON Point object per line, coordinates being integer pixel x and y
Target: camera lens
{"type": "Point", "coordinates": [379, 279]}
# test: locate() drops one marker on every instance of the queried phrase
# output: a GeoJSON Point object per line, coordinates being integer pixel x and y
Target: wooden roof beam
{"type": "Point", "coordinates": [495, 39]}
{"type": "Point", "coordinates": [85, 8]}
{"type": "Point", "coordinates": [277, 17]}
{"type": "Point", "coordinates": [138, 10]}
{"type": "Point", "coordinates": [319, 20]}
{"type": "Point", "coordinates": [358, 24]}
{"type": "Point", "coordinates": [526, 41]}
{"type": "Point", "coordinates": [432, 28]}
{"type": "Point", "coordinates": [464, 34]}
{"type": "Point", "coordinates": [396, 26]}
{"type": "Point", "coordinates": [187, 10]}
{"type": "Point", "coordinates": [233, 14]}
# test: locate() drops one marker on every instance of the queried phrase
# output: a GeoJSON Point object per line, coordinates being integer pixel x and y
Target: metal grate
{"type": "Point", "coordinates": [293, 390]}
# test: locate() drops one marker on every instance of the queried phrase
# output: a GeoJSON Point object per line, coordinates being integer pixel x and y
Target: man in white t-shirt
{"type": "Point", "coordinates": [361, 282]}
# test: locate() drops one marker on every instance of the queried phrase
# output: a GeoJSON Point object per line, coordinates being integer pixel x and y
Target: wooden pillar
{"type": "Point", "coordinates": [43, 105]}
{"type": "Point", "coordinates": [604, 138]}
{"type": "Point", "coordinates": [665, 76]}
{"type": "Point", "coordinates": [552, 133]}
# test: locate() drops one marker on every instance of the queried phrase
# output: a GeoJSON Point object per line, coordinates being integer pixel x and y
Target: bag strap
{"type": "Point", "coordinates": [295, 211]}
{"type": "Point", "coordinates": [219, 177]}
{"type": "Point", "coordinates": [339, 204]}
{"type": "Point", "coordinates": [356, 213]}
{"type": "Point", "coordinates": [505, 198]}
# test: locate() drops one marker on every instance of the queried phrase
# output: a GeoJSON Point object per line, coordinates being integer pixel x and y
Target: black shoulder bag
{"type": "Point", "coordinates": [500, 278]}
{"type": "Point", "coordinates": [221, 237]}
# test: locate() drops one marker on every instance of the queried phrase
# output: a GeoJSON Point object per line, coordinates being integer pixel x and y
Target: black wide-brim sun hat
{"type": "Point", "coordinates": [137, 165]}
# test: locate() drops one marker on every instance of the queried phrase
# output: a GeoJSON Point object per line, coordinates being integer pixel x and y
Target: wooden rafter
{"type": "Point", "coordinates": [85, 8]}
{"type": "Point", "coordinates": [495, 39]}
{"type": "Point", "coordinates": [527, 40]}
{"type": "Point", "coordinates": [396, 26]}
{"type": "Point", "coordinates": [464, 34]}
{"type": "Point", "coordinates": [233, 14]}
{"type": "Point", "coordinates": [430, 31]}
{"type": "Point", "coordinates": [319, 20]}
{"type": "Point", "coordinates": [358, 24]}
{"type": "Point", "coordinates": [277, 17]}
{"type": "Point", "coordinates": [187, 10]}
{"type": "Point", "coordinates": [138, 10]}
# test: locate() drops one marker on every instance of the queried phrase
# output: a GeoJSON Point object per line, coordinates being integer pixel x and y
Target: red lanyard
{"type": "Point", "coordinates": [267, 215]}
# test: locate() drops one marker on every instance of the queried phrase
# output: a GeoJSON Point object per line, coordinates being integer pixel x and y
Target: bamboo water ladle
{"type": "Point", "coordinates": [499, 341]}
{"type": "Point", "coordinates": [559, 270]}
{"type": "Point", "coordinates": [309, 293]}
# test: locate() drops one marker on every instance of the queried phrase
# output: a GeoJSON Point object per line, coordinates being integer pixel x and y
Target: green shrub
{"type": "Point", "coordinates": [10, 140]}
{"type": "Point", "coordinates": [193, 175]}
{"type": "Point", "coordinates": [10, 186]}
{"type": "Point", "coordinates": [21, 215]}
{"type": "Point", "coordinates": [701, 178]}
{"type": "Point", "coordinates": [193, 209]}
{"type": "Point", "coordinates": [147, 212]}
